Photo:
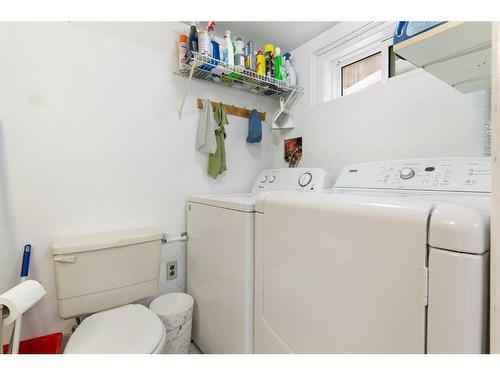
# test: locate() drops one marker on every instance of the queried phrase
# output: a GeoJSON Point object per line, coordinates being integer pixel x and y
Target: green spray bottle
{"type": "Point", "coordinates": [278, 64]}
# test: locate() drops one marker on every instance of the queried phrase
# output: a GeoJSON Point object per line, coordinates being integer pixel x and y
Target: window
{"type": "Point", "coordinates": [361, 58]}
{"type": "Point", "coordinates": [360, 74]}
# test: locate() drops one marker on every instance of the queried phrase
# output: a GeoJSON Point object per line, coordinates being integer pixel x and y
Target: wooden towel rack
{"type": "Point", "coordinates": [233, 110]}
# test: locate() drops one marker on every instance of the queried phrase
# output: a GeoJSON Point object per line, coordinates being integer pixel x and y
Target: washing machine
{"type": "Point", "coordinates": [220, 258]}
{"type": "Point", "coordinates": [393, 259]}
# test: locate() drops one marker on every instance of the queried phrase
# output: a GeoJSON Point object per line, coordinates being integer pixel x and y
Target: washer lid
{"type": "Point", "coordinates": [240, 202]}
{"type": "Point", "coordinates": [97, 241]}
{"type": "Point", "coordinates": [459, 228]}
{"type": "Point", "coordinates": [129, 329]}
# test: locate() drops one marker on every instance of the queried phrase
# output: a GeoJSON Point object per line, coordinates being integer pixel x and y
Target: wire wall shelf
{"type": "Point", "coordinates": [216, 71]}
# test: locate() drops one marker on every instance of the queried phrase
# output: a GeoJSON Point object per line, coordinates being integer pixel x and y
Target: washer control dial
{"type": "Point", "coordinates": [263, 179]}
{"type": "Point", "coordinates": [271, 179]}
{"type": "Point", "coordinates": [305, 179]}
{"type": "Point", "coordinates": [407, 173]}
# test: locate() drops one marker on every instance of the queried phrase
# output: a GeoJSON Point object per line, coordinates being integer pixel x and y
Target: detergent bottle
{"type": "Point", "coordinates": [290, 76]}
{"type": "Point", "coordinates": [260, 64]}
{"type": "Point", "coordinates": [228, 49]}
{"type": "Point", "coordinates": [278, 64]}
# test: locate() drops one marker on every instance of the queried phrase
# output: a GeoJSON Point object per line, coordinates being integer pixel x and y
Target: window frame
{"type": "Point", "coordinates": [366, 40]}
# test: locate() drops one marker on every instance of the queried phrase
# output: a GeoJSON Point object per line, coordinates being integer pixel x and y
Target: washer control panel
{"type": "Point", "coordinates": [291, 179]}
{"type": "Point", "coordinates": [447, 174]}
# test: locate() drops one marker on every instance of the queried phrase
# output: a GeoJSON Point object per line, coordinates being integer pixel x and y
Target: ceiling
{"type": "Point", "coordinates": [286, 35]}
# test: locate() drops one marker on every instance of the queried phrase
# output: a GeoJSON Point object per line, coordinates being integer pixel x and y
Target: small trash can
{"type": "Point", "coordinates": [176, 312]}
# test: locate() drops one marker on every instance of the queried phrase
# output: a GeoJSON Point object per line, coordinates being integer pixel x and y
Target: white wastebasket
{"type": "Point", "coordinates": [176, 312]}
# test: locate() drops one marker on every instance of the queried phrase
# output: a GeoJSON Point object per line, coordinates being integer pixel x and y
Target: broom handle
{"type": "Point", "coordinates": [16, 334]}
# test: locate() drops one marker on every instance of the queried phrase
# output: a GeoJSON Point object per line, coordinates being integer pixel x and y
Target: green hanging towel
{"type": "Point", "coordinates": [217, 161]}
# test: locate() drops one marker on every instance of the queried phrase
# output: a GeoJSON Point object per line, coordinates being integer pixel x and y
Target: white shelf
{"type": "Point", "coordinates": [458, 53]}
{"type": "Point", "coordinates": [219, 73]}
{"type": "Point", "coordinates": [216, 71]}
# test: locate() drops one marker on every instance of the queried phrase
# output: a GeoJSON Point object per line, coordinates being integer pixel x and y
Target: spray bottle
{"type": "Point", "coordinates": [228, 49]}
{"type": "Point", "coordinates": [204, 45]}
{"type": "Point", "coordinates": [290, 76]}
{"type": "Point", "coordinates": [215, 49]}
{"type": "Point", "coordinates": [278, 64]}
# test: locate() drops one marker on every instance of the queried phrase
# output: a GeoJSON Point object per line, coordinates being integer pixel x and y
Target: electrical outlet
{"type": "Point", "coordinates": [172, 270]}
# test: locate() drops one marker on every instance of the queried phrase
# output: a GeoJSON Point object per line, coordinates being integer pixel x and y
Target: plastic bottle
{"type": "Point", "coordinates": [250, 56]}
{"type": "Point", "coordinates": [278, 64]}
{"type": "Point", "coordinates": [228, 49]}
{"type": "Point", "coordinates": [260, 64]}
{"type": "Point", "coordinates": [214, 46]}
{"type": "Point", "coordinates": [290, 76]}
{"type": "Point", "coordinates": [268, 53]}
{"type": "Point", "coordinates": [183, 51]}
{"type": "Point", "coordinates": [205, 39]}
{"type": "Point", "coordinates": [204, 45]}
{"type": "Point", "coordinates": [239, 54]}
{"type": "Point", "coordinates": [247, 61]}
{"type": "Point", "coordinates": [193, 39]}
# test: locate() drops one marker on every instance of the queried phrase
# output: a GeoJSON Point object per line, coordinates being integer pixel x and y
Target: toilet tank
{"type": "Point", "coordinates": [96, 272]}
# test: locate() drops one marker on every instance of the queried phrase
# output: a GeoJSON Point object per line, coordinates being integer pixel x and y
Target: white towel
{"type": "Point", "coordinates": [205, 135]}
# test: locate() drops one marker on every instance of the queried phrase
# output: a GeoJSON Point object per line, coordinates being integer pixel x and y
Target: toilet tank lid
{"type": "Point", "coordinates": [98, 241]}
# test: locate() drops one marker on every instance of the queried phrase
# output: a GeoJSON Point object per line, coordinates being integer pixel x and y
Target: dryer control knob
{"type": "Point", "coordinates": [407, 173]}
{"type": "Point", "coordinates": [305, 179]}
{"type": "Point", "coordinates": [271, 179]}
{"type": "Point", "coordinates": [264, 179]}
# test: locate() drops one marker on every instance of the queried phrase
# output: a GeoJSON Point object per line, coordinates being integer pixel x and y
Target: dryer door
{"type": "Point", "coordinates": [340, 274]}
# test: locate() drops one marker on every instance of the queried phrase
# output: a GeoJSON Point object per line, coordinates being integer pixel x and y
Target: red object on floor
{"type": "Point", "coordinates": [48, 344]}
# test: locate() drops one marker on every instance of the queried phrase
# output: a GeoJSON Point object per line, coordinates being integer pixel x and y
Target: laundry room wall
{"type": "Point", "coordinates": [90, 141]}
{"type": "Point", "coordinates": [413, 115]}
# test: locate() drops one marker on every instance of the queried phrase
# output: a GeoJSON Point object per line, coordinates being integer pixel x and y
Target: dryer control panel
{"type": "Point", "coordinates": [291, 179]}
{"type": "Point", "coordinates": [447, 174]}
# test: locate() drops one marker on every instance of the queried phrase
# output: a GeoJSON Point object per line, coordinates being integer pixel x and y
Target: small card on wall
{"type": "Point", "coordinates": [293, 151]}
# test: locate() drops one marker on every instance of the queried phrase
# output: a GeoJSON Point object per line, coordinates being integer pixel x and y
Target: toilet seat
{"type": "Point", "coordinates": [129, 329]}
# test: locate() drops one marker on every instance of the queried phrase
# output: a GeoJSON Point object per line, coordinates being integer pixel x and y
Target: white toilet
{"type": "Point", "coordinates": [102, 274]}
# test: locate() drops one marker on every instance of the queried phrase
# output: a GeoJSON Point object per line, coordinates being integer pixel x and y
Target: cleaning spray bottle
{"type": "Point", "coordinates": [215, 53]}
{"type": "Point", "coordinates": [278, 64]}
{"type": "Point", "coordinates": [204, 45]}
{"type": "Point", "coordinates": [215, 48]}
{"type": "Point", "coordinates": [228, 49]}
{"type": "Point", "coordinates": [290, 76]}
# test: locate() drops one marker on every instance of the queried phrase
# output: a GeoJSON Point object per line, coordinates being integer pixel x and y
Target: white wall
{"type": "Point", "coordinates": [90, 141]}
{"type": "Point", "coordinates": [413, 115]}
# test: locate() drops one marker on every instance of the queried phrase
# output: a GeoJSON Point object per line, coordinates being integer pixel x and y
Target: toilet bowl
{"type": "Point", "coordinates": [129, 329]}
{"type": "Point", "coordinates": [102, 275]}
